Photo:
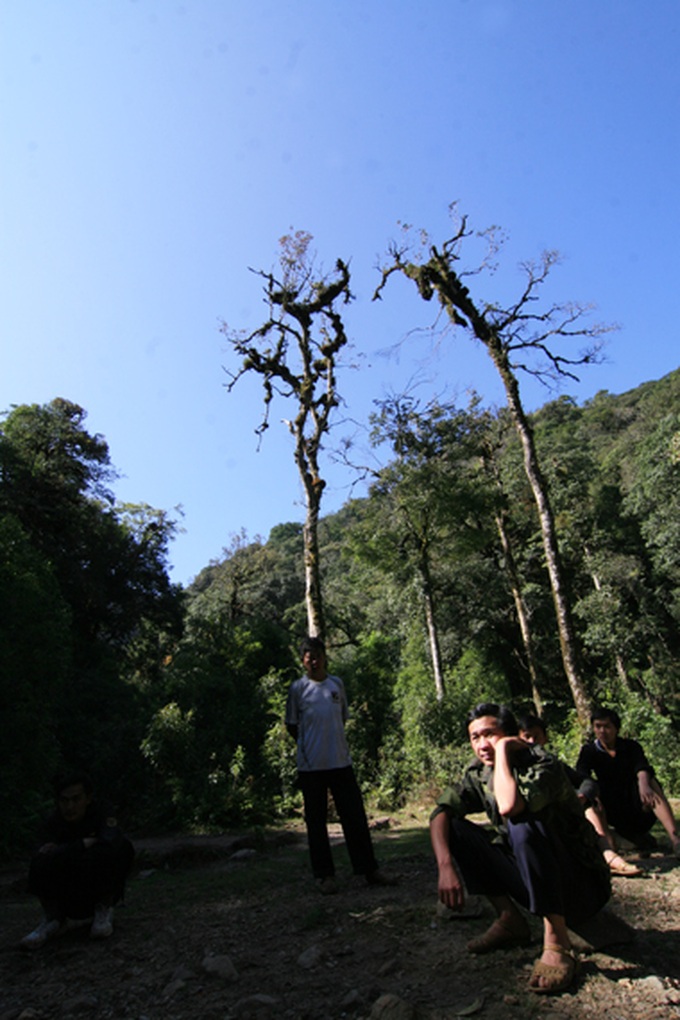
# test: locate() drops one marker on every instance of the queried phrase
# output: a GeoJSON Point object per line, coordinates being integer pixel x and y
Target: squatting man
{"type": "Point", "coordinates": [543, 857]}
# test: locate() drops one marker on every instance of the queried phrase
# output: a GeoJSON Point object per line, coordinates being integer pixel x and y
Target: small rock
{"type": "Point", "coordinates": [257, 1005]}
{"type": "Point", "coordinates": [352, 999]}
{"type": "Point", "coordinates": [653, 983]}
{"type": "Point", "coordinates": [172, 988]}
{"type": "Point", "coordinates": [387, 967]}
{"type": "Point", "coordinates": [80, 1004]}
{"type": "Point", "coordinates": [182, 973]}
{"type": "Point", "coordinates": [310, 957]}
{"type": "Point", "coordinates": [220, 966]}
{"type": "Point", "coordinates": [391, 1007]}
{"type": "Point", "coordinates": [243, 855]}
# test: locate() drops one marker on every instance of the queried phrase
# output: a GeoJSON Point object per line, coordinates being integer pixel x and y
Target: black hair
{"type": "Point", "coordinates": [606, 713]}
{"type": "Point", "coordinates": [528, 721]}
{"type": "Point", "coordinates": [75, 778]}
{"type": "Point", "coordinates": [501, 713]}
{"type": "Point", "coordinates": [311, 644]}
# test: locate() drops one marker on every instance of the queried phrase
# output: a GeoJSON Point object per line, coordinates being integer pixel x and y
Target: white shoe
{"type": "Point", "coordinates": [39, 936]}
{"type": "Point", "coordinates": [102, 925]}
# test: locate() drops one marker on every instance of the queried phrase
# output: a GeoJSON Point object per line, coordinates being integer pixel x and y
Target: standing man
{"type": "Point", "coordinates": [544, 855]}
{"type": "Point", "coordinates": [316, 713]}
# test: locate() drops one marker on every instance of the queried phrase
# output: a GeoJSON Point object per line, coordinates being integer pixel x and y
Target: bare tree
{"type": "Point", "coordinates": [295, 352]}
{"type": "Point", "coordinates": [517, 338]}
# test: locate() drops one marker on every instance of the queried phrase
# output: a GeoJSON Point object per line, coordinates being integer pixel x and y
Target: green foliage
{"type": "Point", "coordinates": [175, 700]}
{"type": "Point", "coordinates": [206, 740]}
{"type": "Point", "coordinates": [90, 608]}
{"type": "Point", "coordinates": [35, 656]}
{"type": "Point", "coordinates": [658, 736]}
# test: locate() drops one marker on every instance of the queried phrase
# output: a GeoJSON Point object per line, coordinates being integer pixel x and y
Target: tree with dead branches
{"type": "Point", "coordinates": [518, 338]}
{"type": "Point", "coordinates": [295, 352]}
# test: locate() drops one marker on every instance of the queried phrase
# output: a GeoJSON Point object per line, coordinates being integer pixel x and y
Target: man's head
{"type": "Point", "coordinates": [313, 655]}
{"type": "Point", "coordinates": [73, 793]}
{"type": "Point", "coordinates": [606, 723]}
{"type": "Point", "coordinates": [532, 729]}
{"type": "Point", "coordinates": [487, 723]}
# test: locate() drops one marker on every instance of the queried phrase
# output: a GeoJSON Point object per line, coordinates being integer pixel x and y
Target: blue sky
{"type": "Point", "coordinates": [154, 150]}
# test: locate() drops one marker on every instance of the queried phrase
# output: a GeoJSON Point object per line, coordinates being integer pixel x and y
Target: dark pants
{"type": "Point", "coordinates": [536, 871]}
{"type": "Point", "coordinates": [73, 880]}
{"type": "Point", "coordinates": [350, 807]}
{"type": "Point", "coordinates": [625, 812]}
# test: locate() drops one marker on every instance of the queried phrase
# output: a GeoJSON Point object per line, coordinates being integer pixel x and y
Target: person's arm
{"type": "Point", "coordinates": [644, 773]}
{"type": "Point", "coordinates": [449, 884]}
{"type": "Point", "coordinates": [291, 716]}
{"type": "Point", "coordinates": [648, 795]}
{"type": "Point", "coordinates": [508, 798]}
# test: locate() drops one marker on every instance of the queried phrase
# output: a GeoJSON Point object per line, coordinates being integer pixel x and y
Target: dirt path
{"type": "Point", "coordinates": [233, 927]}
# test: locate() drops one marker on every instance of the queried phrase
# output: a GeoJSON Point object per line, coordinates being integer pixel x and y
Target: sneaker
{"type": "Point", "coordinates": [380, 878]}
{"type": "Point", "coordinates": [327, 886]}
{"type": "Point", "coordinates": [39, 936]}
{"type": "Point", "coordinates": [102, 925]}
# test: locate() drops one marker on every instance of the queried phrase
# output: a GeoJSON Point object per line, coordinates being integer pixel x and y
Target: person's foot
{"type": "Point", "coordinates": [380, 878]}
{"type": "Point", "coordinates": [327, 886]}
{"type": "Point", "coordinates": [619, 866]}
{"type": "Point", "coordinates": [39, 936]}
{"type": "Point", "coordinates": [555, 971]}
{"type": "Point", "coordinates": [501, 935]}
{"type": "Point", "coordinates": [102, 924]}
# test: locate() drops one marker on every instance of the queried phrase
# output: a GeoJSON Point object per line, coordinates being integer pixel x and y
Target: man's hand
{"type": "Point", "coordinates": [647, 793]}
{"type": "Point", "coordinates": [450, 886]}
{"type": "Point", "coordinates": [507, 745]}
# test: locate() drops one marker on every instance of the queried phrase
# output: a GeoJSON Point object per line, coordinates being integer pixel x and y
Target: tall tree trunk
{"type": "Point", "coordinates": [553, 561]}
{"type": "Point", "coordinates": [310, 534]}
{"type": "Point", "coordinates": [438, 276]}
{"type": "Point", "coordinates": [432, 631]}
{"type": "Point", "coordinates": [521, 610]}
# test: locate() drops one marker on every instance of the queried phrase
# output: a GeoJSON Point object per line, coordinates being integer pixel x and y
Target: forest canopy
{"type": "Point", "coordinates": [174, 698]}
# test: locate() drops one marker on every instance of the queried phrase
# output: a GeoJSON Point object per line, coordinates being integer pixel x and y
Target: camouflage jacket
{"type": "Point", "coordinates": [548, 793]}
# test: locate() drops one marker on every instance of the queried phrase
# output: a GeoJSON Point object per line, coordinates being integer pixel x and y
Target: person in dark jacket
{"type": "Point", "coordinates": [81, 865]}
{"type": "Point", "coordinates": [533, 729]}
{"type": "Point", "coordinates": [542, 855]}
{"type": "Point", "coordinates": [629, 790]}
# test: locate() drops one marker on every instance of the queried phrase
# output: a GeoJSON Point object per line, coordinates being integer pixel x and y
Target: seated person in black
{"type": "Point", "coordinates": [630, 793]}
{"type": "Point", "coordinates": [543, 855]}
{"type": "Point", "coordinates": [534, 730]}
{"type": "Point", "coordinates": [81, 865]}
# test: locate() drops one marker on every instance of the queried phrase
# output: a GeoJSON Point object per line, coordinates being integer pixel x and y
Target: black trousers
{"type": "Point", "coordinates": [349, 804]}
{"type": "Point", "coordinates": [625, 812]}
{"type": "Point", "coordinates": [73, 880]}
{"type": "Point", "coordinates": [536, 871]}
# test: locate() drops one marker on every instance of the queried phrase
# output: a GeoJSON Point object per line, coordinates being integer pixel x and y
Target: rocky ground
{"type": "Point", "coordinates": [233, 927]}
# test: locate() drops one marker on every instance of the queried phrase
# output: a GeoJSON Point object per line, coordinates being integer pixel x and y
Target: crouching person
{"type": "Point", "coordinates": [543, 857]}
{"type": "Point", "coordinates": [80, 868]}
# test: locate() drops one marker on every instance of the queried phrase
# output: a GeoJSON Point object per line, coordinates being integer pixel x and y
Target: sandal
{"type": "Point", "coordinates": [556, 977]}
{"type": "Point", "coordinates": [500, 936]}
{"type": "Point", "coordinates": [618, 866]}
